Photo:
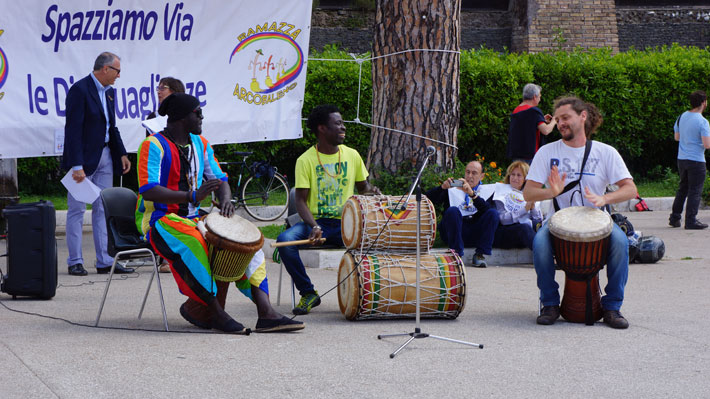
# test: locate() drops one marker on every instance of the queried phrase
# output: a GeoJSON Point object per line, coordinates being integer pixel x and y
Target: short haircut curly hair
{"type": "Point", "coordinates": [320, 116]}
{"type": "Point", "coordinates": [696, 98]}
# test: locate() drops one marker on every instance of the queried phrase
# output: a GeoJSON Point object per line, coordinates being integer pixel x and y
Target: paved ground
{"type": "Point", "coordinates": [665, 353]}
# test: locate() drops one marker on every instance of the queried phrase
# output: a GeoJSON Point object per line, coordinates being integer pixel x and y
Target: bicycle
{"type": "Point", "coordinates": [264, 193]}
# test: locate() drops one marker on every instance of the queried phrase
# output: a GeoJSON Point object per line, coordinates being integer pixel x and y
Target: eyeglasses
{"type": "Point", "coordinates": [118, 71]}
{"type": "Point", "coordinates": [198, 111]}
{"type": "Point", "coordinates": [161, 88]}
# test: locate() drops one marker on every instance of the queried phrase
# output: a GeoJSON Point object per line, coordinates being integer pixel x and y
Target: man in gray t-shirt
{"type": "Point", "coordinates": [692, 132]}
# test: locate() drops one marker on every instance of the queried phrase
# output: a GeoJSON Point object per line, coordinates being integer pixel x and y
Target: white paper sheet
{"type": "Point", "coordinates": [156, 124]}
{"type": "Point", "coordinates": [86, 191]}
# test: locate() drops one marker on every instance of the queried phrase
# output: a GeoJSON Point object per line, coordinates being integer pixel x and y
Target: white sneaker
{"type": "Point", "coordinates": [478, 261]}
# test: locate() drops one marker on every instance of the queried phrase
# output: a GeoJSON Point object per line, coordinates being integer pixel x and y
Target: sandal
{"type": "Point", "coordinates": [284, 324]}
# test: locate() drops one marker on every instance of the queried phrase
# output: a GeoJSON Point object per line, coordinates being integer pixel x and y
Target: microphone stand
{"type": "Point", "coordinates": [417, 324]}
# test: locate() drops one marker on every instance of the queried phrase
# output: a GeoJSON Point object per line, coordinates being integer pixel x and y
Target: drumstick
{"type": "Point", "coordinates": [297, 242]}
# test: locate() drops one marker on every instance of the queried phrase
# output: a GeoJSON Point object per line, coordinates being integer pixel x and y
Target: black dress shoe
{"type": "Point", "coordinates": [77, 270]}
{"type": "Point", "coordinates": [695, 225]}
{"type": "Point", "coordinates": [118, 270]}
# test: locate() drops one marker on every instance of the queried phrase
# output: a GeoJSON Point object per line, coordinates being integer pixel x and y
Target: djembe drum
{"type": "Point", "coordinates": [580, 239]}
{"type": "Point", "coordinates": [231, 242]}
{"type": "Point", "coordinates": [379, 223]}
{"type": "Point", "coordinates": [384, 285]}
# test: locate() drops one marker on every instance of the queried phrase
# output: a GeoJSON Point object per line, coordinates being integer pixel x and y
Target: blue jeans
{"type": "Point", "coordinates": [617, 268]}
{"type": "Point", "coordinates": [692, 178]}
{"type": "Point", "coordinates": [292, 260]}
{"type": "Point", "coordinates": [516, 235]}
{"type": "Point", "coordinates": [458, 232]}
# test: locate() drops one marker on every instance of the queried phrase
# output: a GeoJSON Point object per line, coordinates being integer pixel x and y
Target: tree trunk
{"type": "Point", "coordinates": [418, 91]}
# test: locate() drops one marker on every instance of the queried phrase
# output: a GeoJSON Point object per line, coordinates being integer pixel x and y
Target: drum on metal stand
{"type": "Point", "coordinates": [580, 239]}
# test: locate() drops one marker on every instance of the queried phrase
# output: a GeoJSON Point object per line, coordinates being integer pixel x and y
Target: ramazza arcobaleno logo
{"type": "Point", "coordinates": [269, 61]}
{"type": "Point", "coordinates": [3, 68]}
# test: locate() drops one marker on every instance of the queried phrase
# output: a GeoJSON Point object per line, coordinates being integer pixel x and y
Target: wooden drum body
{"type": "Point", "coordinates": [580, 240]}
{"type": "Point", "coordinates": [231, 242]}
{"type": "Point", "coordinates": [365, 224]}
{"type": "Point", "coordinates": [384, 285]}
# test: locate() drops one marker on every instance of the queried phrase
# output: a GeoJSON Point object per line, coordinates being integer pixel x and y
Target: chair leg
{"type": "Point", "coordinates": [156, 273]}
{"type": "Point", "coordinates": [108, 284]}
{"type": "Point", "coordinates": [278, 295]}
{"type": "Point", "coordinates": [293, 295]}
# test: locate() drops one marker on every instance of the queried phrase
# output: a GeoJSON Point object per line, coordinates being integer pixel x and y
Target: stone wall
{"type": "Point", "coordinates": [352, 29]}
{"type": "Point", "coordinates": [539, 25]}
{"type": "Point", "coordinates": [649, 27]}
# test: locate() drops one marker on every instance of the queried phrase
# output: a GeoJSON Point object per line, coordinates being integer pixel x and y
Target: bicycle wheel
{"type": "Point", "coordinates": [265, 198]}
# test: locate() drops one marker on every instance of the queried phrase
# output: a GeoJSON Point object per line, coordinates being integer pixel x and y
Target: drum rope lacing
{"type": "Point", "coordinates": [363, 256]}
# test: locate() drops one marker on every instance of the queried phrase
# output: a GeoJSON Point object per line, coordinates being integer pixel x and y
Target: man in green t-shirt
{"type": "Point", "coordinates": [326, 175]}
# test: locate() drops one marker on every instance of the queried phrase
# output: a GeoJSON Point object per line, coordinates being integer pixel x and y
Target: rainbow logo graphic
{"type": "Point", "coordinates": [396, 214]}
{"type": "Point", "coordinates": [284, 77]}
{"type": "Point", "coordinates": [3, 66]}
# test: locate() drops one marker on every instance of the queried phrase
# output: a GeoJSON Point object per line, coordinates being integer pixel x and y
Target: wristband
{"type": "Point", "coordinates": [194, 197]}
{"type": "Point", "coordinates": [317, 227]}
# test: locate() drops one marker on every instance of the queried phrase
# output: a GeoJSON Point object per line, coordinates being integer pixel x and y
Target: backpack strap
{"type": "Point", "coordinates": [571, 185]}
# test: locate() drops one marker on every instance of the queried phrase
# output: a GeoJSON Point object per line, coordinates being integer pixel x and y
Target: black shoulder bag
{"type": "Point", "coordinates": [569, 186]}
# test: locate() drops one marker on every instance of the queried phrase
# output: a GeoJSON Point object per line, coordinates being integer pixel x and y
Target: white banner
{"type": "Point", "coordinates": [244, 60]}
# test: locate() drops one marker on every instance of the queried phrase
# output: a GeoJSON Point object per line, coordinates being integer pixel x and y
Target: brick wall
{"type": "Point", "coordinates": [542, 25]}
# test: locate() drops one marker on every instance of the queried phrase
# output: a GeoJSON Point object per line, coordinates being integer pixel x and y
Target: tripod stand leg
{"type": "Point", "coordinates": [456, 341]}
{"type": "Point", "coordinates": [393, 354]}
{"type": "Point", "coordinates": [393, 335]}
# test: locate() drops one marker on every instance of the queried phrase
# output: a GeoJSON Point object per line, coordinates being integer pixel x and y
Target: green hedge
{"type": "Point", "coordinates": [640, 93]}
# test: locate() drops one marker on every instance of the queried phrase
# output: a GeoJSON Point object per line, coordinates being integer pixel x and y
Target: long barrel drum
{"type": "Point", "coordinates": [382, 223]}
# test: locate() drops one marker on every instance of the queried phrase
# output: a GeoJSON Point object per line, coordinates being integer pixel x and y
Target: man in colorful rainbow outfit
{"type": "Point", "coordinates": [326, 175]}
{"type": "Point", "coordinates": [177, 169]}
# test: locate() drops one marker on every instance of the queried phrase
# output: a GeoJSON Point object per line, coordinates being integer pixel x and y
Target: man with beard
{"type": "Point", "coordinates": [559, 163]}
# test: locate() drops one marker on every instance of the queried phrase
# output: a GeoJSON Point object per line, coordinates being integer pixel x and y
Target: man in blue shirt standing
{"type": "Point", "coordinates": [692, 131]}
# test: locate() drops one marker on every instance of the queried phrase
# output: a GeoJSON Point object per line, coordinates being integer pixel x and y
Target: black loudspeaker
{"type": "Point", "coordinates": [31, 250]}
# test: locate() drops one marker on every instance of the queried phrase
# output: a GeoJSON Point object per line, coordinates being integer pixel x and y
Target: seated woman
{"type": "Point", "coordinates": [517, 217]}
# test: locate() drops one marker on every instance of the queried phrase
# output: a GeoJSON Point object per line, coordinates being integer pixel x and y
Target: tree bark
{"type": "Point", "coordinates": [418, 91]}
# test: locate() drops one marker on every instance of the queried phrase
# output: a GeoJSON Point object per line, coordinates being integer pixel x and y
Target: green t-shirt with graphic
{"type": "Point", "coordinates": [331, 180]}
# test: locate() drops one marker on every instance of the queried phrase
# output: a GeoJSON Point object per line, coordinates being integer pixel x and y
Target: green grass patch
{"type": "Point", "coordinates": [59, 201]}
{"type": "Point", "coordinates": [272, 231]}
{"type": "Point", "coordinates": [687, 258]}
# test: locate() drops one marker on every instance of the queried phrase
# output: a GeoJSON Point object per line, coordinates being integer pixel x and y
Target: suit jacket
{"type": "Point", "coordinates": [85, 128]}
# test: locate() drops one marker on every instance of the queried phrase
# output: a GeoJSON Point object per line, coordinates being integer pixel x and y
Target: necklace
{"type": "Point", "coordinates": [321, 163]}
{"type": "Point", "coordinates": [189, 160]}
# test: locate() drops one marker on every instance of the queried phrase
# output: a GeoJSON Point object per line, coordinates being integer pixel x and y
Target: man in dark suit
{"type": "Point", "coordinates": [93, 150]}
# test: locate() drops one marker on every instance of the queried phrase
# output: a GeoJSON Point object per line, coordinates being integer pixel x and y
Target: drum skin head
{"type": "Point", "coordinates": [580, 224]}
{"type": "Point", "coordinates": [351, 223]}
{"type": "Point", "coordinates": [235, 228]}
{"type": "Point", "coordinates": [348, 294]}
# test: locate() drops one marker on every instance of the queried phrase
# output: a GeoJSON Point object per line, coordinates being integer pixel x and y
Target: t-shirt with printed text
{"type": "Point", "coordinates": [330, 178]}
{"type": "Point", "coordinates": [604, 166]}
